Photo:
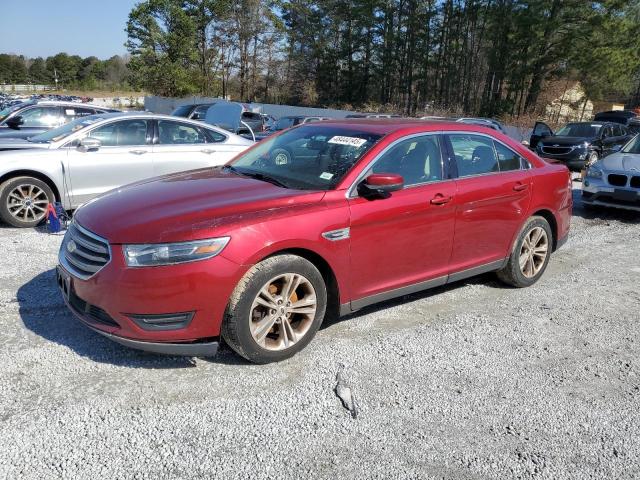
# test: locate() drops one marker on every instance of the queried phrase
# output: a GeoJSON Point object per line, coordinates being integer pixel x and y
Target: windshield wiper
{"type": "Point", "coordinates": [257, 176]}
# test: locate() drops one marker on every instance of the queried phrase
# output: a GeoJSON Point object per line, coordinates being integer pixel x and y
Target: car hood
{"type": "Point", "coordinates": [187, 206]}
{"type": "Point", "coordinates": [622, 161]}
{"type": "Point", "coordinates": [7, 143]}
{"type": "Point", "coordinates": [564, 141]}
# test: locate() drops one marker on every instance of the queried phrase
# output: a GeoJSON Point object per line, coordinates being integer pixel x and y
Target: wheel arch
{"type": "Point", "coordinates": [35, 174]}
{"type": "Point", "coordinates": [553, 223]}
{"type": "Point", "coordinates": [327, 272]}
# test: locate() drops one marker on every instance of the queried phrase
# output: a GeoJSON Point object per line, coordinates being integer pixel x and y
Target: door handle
{"type": "Point", "coordinates": [440, 199]}
{"type": "Point", "coordinates": [520, 187]}
{"type": "Point", "coordinates": [207, 151]}
{"type": "Point", "coordinates": [138, 152]}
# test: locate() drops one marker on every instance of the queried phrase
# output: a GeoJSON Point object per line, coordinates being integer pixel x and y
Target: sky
{"type": "Point", "coordinates": [40, 28]}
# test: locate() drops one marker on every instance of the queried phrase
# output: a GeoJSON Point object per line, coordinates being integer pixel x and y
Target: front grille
{"type": "Point", "coordinates": [556, 150]}
{"type": "Point", "coordinates": [83, 253]}
{"type": "Point", "coordinates": [635, 182]}
{"type": "Point", "coordinates": [617, 180]}
{"type": "Point", "coordinates": [92, 312]}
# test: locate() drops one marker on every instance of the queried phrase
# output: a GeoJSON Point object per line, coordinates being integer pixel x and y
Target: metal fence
{"type": "Point", "coordinates": [167, 105]}
{"type": "Point", "coordinates": [25, 88]}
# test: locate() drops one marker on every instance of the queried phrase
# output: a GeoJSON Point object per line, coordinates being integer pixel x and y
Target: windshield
{"type": "Point", "coordinates": [65, 130]}
{"type": "Point", "coordinates": [284, 122]}
{"type": "Point", "coordinates": [182, 111]}
{"type": "Point", "coordinates": [633, 146]}
{"type": "Point", "coordinates": [589, 130]}
{"type": "Point", "coordinates": [311, 157]}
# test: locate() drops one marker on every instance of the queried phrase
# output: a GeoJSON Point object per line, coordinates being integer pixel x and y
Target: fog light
{"type": "Point", "coordinates": [162, 321]}
{"type": "Point", "coordinates": [586, 183]}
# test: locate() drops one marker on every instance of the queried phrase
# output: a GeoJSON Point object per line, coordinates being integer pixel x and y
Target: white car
{"type": "Point", "coordinates": [76, 162]}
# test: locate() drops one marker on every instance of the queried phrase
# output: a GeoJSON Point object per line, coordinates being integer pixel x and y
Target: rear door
{"type": "Point", "coordinates": [180, 146]}
{"type": "Point", "coordinates": [405, 239]}
{"type": "Point", "coordinates": [492, 199]}
{"type": "Point", "coordinates": [123, 157]}
{"type": "Point", "coordinates": [540, 130]}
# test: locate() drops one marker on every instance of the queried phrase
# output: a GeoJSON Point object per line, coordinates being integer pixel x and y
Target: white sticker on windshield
{"type": "Point", "coordinates": [326, 176]}
{"type": "Point", "coordinates": [69, 112]}
{"type": "Point", "coordinates": [351, 141]}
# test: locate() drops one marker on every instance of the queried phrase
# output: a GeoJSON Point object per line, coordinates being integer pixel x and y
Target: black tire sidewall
{"type": "Point", "coordinates": [514, 261]}
{"type": "Point", "coordinates": [7, 186]}
{"type": "Point", "coordinates": [241, 312]}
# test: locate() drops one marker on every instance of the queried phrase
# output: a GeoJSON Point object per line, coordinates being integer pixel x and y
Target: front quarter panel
{"type": "Point", "coordinates": [297, 228]}
{"type": "Point", "coordinates": [44, 163]}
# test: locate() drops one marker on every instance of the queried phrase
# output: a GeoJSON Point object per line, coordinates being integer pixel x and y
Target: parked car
{"type": "Point", "coordinates": [91, 155]}
{"type": "Point", "coordinates": [262, 250]}
{"type": "Point", "coordinates": [578, 144]}
{"type": "Point", "coordinates": [35, 117]}
{"type": "Point", "coordinates": [614, 181]}
{"type": "Point", "coordinates": [255, 121]}
{"type": "Point", "coordinates": [292, 120]}
{"type": "Point", "coordinates": [616, 116]}
{"type": "Point", "coordinates": [487, 122]}
{"type": "Point", "coordinates": [633, 127]}
{"type": "Point", "coordinates": [195, 111]}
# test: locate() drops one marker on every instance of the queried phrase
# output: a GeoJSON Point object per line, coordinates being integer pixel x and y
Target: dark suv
{"type": "Point", "coordinates": [580, 143]}
{"type": "Point", "coordinates": [35, 117]}
{"type": "Point", "coordinates": [616, 116]}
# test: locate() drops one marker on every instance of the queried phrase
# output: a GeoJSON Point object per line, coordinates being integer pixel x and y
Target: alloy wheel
{"type": "Point", "coordinates": [283, 311]}
{"type": "Point", "coordinates": [533, 252]}
{"type": "Point", "coordinates": [27, 202]}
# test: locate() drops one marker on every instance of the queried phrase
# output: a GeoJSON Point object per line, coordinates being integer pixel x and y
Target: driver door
{"type": "Point", "coordinates": [403, 243]}
{"type": "Point", "coordinates": [123, 157]}
{"type": "Point", "coordinates": [540, 130]}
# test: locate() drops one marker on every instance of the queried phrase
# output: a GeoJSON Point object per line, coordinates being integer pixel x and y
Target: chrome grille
{"type": "Point", "coordinates": [556, 150]}
{"type": "Point", "coordinates": [83, 253]}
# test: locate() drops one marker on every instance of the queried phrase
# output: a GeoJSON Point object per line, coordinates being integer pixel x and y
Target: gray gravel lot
{"type": "Point", "coordinates": [474, 380]}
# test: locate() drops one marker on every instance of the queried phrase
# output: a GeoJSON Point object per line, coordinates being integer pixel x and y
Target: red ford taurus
{"type": "Point", "coordinates": [323, 219]}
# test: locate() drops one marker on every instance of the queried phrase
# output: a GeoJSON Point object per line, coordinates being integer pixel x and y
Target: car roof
{"type": "Point", "coordinates": [384, 126]}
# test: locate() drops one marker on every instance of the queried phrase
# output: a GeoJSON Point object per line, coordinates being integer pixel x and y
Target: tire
{"type": "Point", "coordinates": [254, 331]}
{"type": "Point", "coordinates": [519, 271]}
{"type": "Point", "coordinates": [35, 195]}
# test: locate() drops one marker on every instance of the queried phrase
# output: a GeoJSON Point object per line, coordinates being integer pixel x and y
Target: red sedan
{"type": "Point", "coordinates": [318, 221]}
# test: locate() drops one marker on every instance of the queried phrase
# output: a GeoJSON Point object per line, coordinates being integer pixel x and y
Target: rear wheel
{"type": "Point", "coordinates": [24, 200]}
{"type": "Point", "coordinates": [276, 309]}
{"type": "Point", "coordinates": [530, 254]}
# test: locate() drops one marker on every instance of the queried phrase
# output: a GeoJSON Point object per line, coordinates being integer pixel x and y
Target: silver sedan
{"type": "Point", "coordinates": [78, 161]}
{"type": "Point", "coordinates": [614, 181]}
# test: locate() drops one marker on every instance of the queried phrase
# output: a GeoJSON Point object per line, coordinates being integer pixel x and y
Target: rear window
{"type": "Point", "coordinates": [182, 111]}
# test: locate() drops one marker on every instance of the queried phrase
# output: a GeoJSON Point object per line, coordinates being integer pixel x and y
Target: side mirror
{"type": "Point", "coordinates": [15, 122]}
{"type": "Point", "coordinates": [380, 185]}
{"type": "Point", "coordinates": [88, 144]}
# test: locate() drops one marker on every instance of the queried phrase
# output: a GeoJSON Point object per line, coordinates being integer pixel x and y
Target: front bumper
{"type": "Point", "coordinates": [112, 301]}
{"type": "Point", "coordinates": [599, 192]}
{"type": "Point", "coordinates": [572, 160]}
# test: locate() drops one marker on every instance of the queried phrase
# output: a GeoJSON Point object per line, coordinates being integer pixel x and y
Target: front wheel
{"type": "Point", "coordinates": [24, 201]}
{"type": "Point", "coordinates": [530, 254]}
{"type": "Point", "coordinates": [276, 309]}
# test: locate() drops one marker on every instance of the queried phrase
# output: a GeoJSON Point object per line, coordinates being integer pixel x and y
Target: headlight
{"type": "Point", "coordinates": [594, 172]}
{"type": "Point", "coordinates": [151, 255]}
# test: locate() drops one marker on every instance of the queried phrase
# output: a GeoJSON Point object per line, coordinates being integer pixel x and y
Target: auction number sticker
{"type": "Point", "coordinates": [326, 175]}
{"type": "Point", "coordinates": [351, 141]}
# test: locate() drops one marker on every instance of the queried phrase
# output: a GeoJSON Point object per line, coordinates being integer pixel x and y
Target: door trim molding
{"type": "Point", "coordinates": [354, 305]}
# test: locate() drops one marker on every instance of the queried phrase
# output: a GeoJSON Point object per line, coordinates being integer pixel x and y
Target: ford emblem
{"type": "Point", "coordinates": [71, 246]}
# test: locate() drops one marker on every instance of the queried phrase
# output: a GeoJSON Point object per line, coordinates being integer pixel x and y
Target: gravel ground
{"type": "Point", "coordinates": [474, 380]}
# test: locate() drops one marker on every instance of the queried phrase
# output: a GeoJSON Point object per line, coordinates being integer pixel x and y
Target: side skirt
{"type": "Point", "coordinates": [347, 308]}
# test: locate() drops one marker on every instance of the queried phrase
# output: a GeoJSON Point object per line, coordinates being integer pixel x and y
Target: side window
{"type": "Point", "coordinates": [417, 159]}
{"type": "Point", "coordinates": [617, 131]}
{"type": "Point", "coordinates": [71, 113]}
{"type": "Point", "coordinates": [507, 158]}
{"type": "Point", "coordinates": [41, 117]}
{"type": "Point", "coordinates": [122, 133]}
{"type": "Point", "coordinates": [175, 133]}
{"type": "Point", "coordinates": [607, 133]}
{"type": "Point", "coordinates": [214, 137]}
{"type": "Point", "coordinates": [474, 154]}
